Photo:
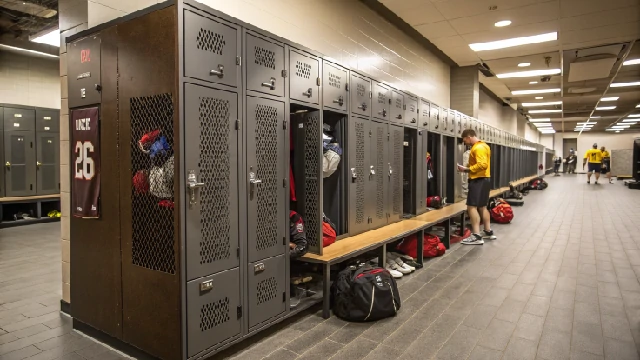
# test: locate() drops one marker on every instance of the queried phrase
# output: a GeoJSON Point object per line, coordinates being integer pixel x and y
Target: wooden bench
{"type": "Point", "coordinates": [37, 200]}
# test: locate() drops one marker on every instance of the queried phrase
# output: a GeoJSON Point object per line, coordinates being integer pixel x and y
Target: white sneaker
{"type": "Point", "coordinates": [473, 240]}
{"type": "Point", "coordinates": [398, 259]}
{"type": "Point", "coordinates": [393, 269]}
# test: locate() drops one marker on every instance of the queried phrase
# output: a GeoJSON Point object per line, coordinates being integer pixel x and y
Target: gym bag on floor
{"type": "Point", "coordinates": [365, 293]}
{"type": "Point", "coordinates": [432, 246]}
{"type": "Point", "coordinates": [500, 211]}
{"type": "Point", "coordinates": [457, 236]}
{"type": "Point", "coordinates": [434, 202]}
{"type": "Point", "coordinates": [538, 184]}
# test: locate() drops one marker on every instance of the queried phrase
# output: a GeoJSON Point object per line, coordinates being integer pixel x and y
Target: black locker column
{"type": "Point", "coordinates": [19, 152]}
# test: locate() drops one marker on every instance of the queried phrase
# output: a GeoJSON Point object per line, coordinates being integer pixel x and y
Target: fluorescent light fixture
{"type": "Point", "coordinates": [543, 111]}
{"type": "Point", "coordinates": [632, 62]}
{"type": "Point", "coordinates": [625, 84]}
{"type": "Point", "coordinates": [529, 73]}
{"type": "Point", "coordinates": [541, 125]}
{"type": "Point", "coordinates": [621, 126]}
{"type": "Point", "coordinates": [31, 51]}
{"type": "Point", "coordinates": [581, 129]}
{"type": "Point", "coordinates": [51, 38]}
{"type": "Point", "coordinates": [605, 107]}
{"type": "Point", "coordinates": [524, 64]}
{"type": "Point", "coordinates": [633, 115]}
{"type": "Point", "coordinates": [538, 91]}
{"type": "Point", "coordinates": [539, 97]}
{"type": "Point", "coordinates": [611, 98]}
{"type": "Point", "coordinates": [594, 117]}
{"type": "Point", "coordinates": [617, 131]}
{"type": "Point", "coordinates": [503, 23]}
{"type": "Point", "coordinates": [630, 120]}
{"type": "Point", "coordinates": [540, 120]}
{"type": "Point", "coordinates": [507, 43]}
{"type": "Point", "coordinates": [586, 123]}
{"type": "Point", "coordinates": [542, 103]}
{"type": "Point", "coordinates": [532, 82]}
{"type": "Point", "coordinates": [637, 106]}
{"type": "Point", "coordinates": [548, 132]}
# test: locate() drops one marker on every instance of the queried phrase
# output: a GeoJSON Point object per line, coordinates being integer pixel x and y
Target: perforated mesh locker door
{"type": "Point", "coordinates": [264, 65]}
{"type": "Point", "coordinates": [212, 310]}
{"type": "Point", "coordinates": [379, 179]}
{"type": "Point", "coordinates": [452, 123]}
{"type": "Point", "coordinates": [425, 115]}
{"type": "Point", "coordinates": [334, 86]}
{"type": "Point", "coordinates": [381, 95]}
{"type": "Point", "coordinates": [434, 119]}
{"type": "Point", "coordinates": [304, 74]}
{"type": "Point", "coordinates": [421, 171]}
{"type": "Point", "coordinates": [397, 107]}
{"type": "Point", "coordinates": [394, 190]}
{"type": "Point", "coordinates": [360, 95]}
{"type": "Point", "coordinates": [265, 176]}
{"type": "Point", "coordinates": [48, 163]}
{"type": "Point", "coordinates": [211, 49]}
{"type": "Point", "coordinates": [411, 112]}
{"type": "Point", "coordinates": [465, 123]}
{"type": "Point", "coordinates": [212, 155]}
{"type": "Point", "coordinates": [20, 163]}
{"type": "Point", "coordinates": [358, 174]}
{"type": "Point", "coordinates": [266, 289]}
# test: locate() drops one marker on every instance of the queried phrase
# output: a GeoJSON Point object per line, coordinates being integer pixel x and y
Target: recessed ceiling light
{"type": "Point", "coordinates": [605, 107]}
{"type": "Point", "coordinates": [632, 62]}
{"type": "Point", "coordinates": [543, 111]}
{"type": "Point", "coordinates": [532, 82]}
{"type": "Point", "coordinates": [633, 115]}
{"type": "Point", "coordinates": [637, 106]}
{"type": "Point", "coordinates": [584, 126]}
{"type": "Point", "coordinates": [540, 125]}
{"type": "Point", "coordinates": [524, 64]}
{"type": "Point", "coordinates": [529, 73]}
{"type": "Point", "coordinates": [539, 97]}
{"type": "Point", "coordinates": [542, 103]}
{"type": "Point", "coordinates": [617, 131]}
{"type": "Point", "coordinates": [507, 43]}
{"type": "Point", "coordinates": [548, 132]}
{"type": "Point", "coordinates": [538, 91]}
{"type": "Point", "coordinates": [610, 98]}
{"type": "Point", "coordinates": [625, 84]}
{"type": "Point", "coordinates": [50, 38]}
{"type": "Point", "coordinates": [587, 123]}
{"type": "Point", "coordinates": [503, 23]}
{"type": "Point", "coordinates": [540, 120]}
{"type": "Point", "coordinates": [31, 51]}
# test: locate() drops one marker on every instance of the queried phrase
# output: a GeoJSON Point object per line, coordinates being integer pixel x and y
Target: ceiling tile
{"type": "Point", "coordinates": [450, 42]}
{"type": "Point", "coordinates": [436, 30]}
{"type": "Point", "coordinates": [421, 14]}
{"type": "Point", "coordinates": [630, 31]}
{"type": "Point", "coordinates": [531, 14]}
{"type": "Point", "coordinates": [603, 18]}
{"type": "Point", "coordinates": [514, 31]}
{"type": "Point", "coordinates": [569, 8]}
{"type": "Point", "coordinates": [463, 8]}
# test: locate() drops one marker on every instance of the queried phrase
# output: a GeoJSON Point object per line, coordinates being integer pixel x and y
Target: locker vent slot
{"type": "Point", "coordinates": [399, 103]}
{"type": "Point", "coordinates": [334, 80]}
{"type": "Point", "coordinates": [312, 180]}
{"type": "Point", "coordinates": [398, 141]}
{"type": "Point", "coordinates": [209, 41]}
{"type": "Point", "coordinates": [152, 225]}
{"type": "Point", "coordinates": [215, 166]}
{"type": "Point", "coordinates": [359, 172]}
{"type": "Point", "coordinates": [381, 170]}
{"type": "Point", "coordinates": [267, 290]}
{"type": "Point", "coordinates": [303, 70]}
{"type": "Point", "coordinates": [361, 90]}
{"type": "Point", "coordinates": [265, 57]}
{"type": "Point", "coordinates": [214, 314]}
{"type": "Point", "coordinates": [267, 156]}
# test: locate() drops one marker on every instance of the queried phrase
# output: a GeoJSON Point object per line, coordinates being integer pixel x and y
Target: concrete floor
{"type": "Point", "coordinates": [561, 282]}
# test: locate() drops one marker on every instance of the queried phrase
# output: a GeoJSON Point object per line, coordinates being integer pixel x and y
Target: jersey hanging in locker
{"type": "Point", "coordinates": [85, 144]}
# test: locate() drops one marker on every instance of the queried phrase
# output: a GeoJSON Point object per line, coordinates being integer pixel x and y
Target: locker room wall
{"type": "Point", "coordinates": [30, 81]}
{"type": "Point", "coordinates": [347, 31]}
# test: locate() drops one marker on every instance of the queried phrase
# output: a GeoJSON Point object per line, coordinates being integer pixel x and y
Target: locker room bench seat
{"type": "Point", "coordinates": [37, 200]}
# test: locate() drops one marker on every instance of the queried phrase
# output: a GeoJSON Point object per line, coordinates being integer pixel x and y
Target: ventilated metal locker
{"type": "Point", "coordinates": [2, 160]}
{"type": "Point", "coordinates": [381, 100]}
{"type": "Point", "coordinates": [379, 174]}
{"type": "Point", "coordinates": [335, 86]}
{"type": "Point", "coordinates": [397, 107]}
{"type": "Point", "coordinates": [360, 95]}
{"type": "Point", "coordinates": [411, 113]}
{"type": "Point", "coordinates": [424, 118]}
{"type": "Point", "coordinates": [472, 125]}
{"type": "Point", "coordinates": [19, 152]}
{"type": "Point", "coordinates": [359, 174]}
{"type": "Point", "coordinates": [466, 122]}
{"type": "Point", "coordinates": [444, 120]}
{"type": "Point", "coordinates": [304, 77]}
{"type": "Point", "coordinates": [267, 289]}
{"type": "Point", "coordinates": [47, 152]}
{"type": "Point", "coordinates": [265, 65]}
{"type": "Point", "coordinates": [453, 128]}
{"type": "Point", "coordinates": [434, 119]}
{"type": "Point", "coordinates": [459, 124]}
{"type": "Point", "coordinates": [395, 172]}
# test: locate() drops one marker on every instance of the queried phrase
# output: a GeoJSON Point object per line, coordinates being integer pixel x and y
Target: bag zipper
{"type": "Point", "coordinates": [373, 293]}
{"type": "Point", "coordinates": [393, 298]}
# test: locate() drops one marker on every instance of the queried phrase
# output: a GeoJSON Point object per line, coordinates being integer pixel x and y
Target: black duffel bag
{"type": "Point", "coordinates": [365, 293]}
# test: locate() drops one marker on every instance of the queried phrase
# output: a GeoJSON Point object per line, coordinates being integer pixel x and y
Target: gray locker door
{"type": "Point", "coordinates": [411, 112]}
{"type": "Point", "coordinates": [48, 121]}
{"type": "Point", "coordinates": [2, 159]}
{"type": "Point", "coordinates": [19, 119]}
{"type": "Point", "coordinates": [397, 107]}
{"type": "Point", "coordinates": [264, 65]}
{"type": "Point", "coordinates": [267, 280]}
{"type": "Point", "coordinates": [378, 187]}
{"type": "Point", "coordinates": [304, 77]}
{"type": "Point", "coordinates": [20, 163]}
{"type": "Point", "coordinates": [265, 176]}
{"type": "Point", "coordinates": [394, 194]}
{"type": "Point", "coordinates": [425, 168]}
{"type": "Point", "coordinates": [452, 123]}
{"type": "Point", "coordinates": [457, 188]}
{"type": "Point", "coordinates": [459, 125]}
{"type": "Point", "coordinates": [211, 145]}
{"type": "Point", "coordinates": [422, 171]}
{"type": "Point", "coordinates": [358, 146]}
{"type": "Point", "coordinates": [211, 49]}
{"type": "Point", "coordinates": [465, 123]}
{"type": "Point", "coordinates": [212, 310]}
{"type": "Point", "coordinates": [381, 101]}
{"type": "Point", "coordinates": [334, 86]}
{"type": "Point", "coordinates": [360, 95]}
{"type": "Point", "coordinates": [434, 119]}
{"type": "Point", "coordinates": [48, 163]}
{"type": "Point", "coordinates": [444, 121]}
{"type": "Point", "coordinates": [425, 115]}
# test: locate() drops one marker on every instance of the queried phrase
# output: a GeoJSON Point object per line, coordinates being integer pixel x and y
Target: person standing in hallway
{"type": "Point", "coordinates": [571, 163]}
{"type": "Point", "coordinates": [479, 171]}
{"type": "Point", "coordinates": [606, 164]}
{"type": "Point", "coordinates": [594, 156]}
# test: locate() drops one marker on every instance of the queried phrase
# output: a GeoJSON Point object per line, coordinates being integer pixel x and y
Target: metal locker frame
{"type": "Point", "coordinates": [335, 86]}
{"type": "Point", "coordinates": [47, 122]}
{"type": "Point", "coordinates": [459, 126]}
{"type": "Point", "coordinates": [304, 77]}
{"type": "Point", "coordinates": [379, 182]}
{"type": "Point", "coordinates": [411, 111]}
{"type": "Point", "coordinates": [396, 107]}
{"type": "Point", "coordinates": [453, 128]}
{"type": "Point", "coordinates": [472, 124]}
{"type": "Point", "coordinates": [46, 168]}
{"type": "Point", "coordinates": [424, 118]}
{"type": "Point", "coordinates": [395, 158]}
{"type": "Point", "coordinates": [29, 165]}
{"type": "Point", "coordinates": [2, 160]}
{"type": "Point", "coordinates": [444, 121]}
{"type": "Point", "coordinates": [423, 171]}
{"type": "Point", "coordinates": [360, 89]}
{"type": "Point", "coordinates": [434, 119]}
{"type": "Point", "coordinates": [267, 283]}
{"type": "Point", "coordinates": [208, 45]}
{"type": "Point", "coordinates": [264, 64]}
{"type": "Point", "coordinates": [380, 101]}
{"type": "Point", "coordinates": [358, 160]}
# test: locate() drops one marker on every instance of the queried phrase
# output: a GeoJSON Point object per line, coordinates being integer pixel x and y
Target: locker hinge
{"type": "Point", "coordinates": [284, 125]}
{"type": "Point", "coordinates": [237, 124]}
{"type": "Point", "coordinates": [346, 87]}
{"type": "Point", "coordinates": [238, 251]}
{"type": "Point", "coordinates": [284, 296]}
{"type": "Point", "coordinates": [369, 133]}
{"type": "Point", "coordinates": [284, 73]}
{"type": "Point", "coordinates": [238, 60]}
{"type": "Point", "coordinates": [389, 101]}
{"type": "Point", "coordinates": [370, 94]}
{"type": "Point", "coordinates": [404, 107]}
{"type": "Point", "coordinates": [388, 136]}
{"type": "Point", "coordinates": [239, 312]}
{"type": "Point", "coordinates": [318, 81]}
{"type": "Point", "coordinates": [284, 240]}
{"type": "Point", "coordinates": [284, 183]}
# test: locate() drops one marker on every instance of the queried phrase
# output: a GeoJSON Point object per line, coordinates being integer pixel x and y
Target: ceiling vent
{"type": "Point", "coordinates": [594, 63]}
{"type": "Point", "coordinates": [581, 90]}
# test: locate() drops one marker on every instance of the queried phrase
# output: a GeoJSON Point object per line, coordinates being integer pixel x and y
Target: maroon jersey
{"type": "Point", "coordinates": [85, 163]}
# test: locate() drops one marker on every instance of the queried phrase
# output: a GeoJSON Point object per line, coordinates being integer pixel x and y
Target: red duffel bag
{"type": "Point", "coordinates": [456, 237]}
{"type": "Point", "coordinates": [432, 246]}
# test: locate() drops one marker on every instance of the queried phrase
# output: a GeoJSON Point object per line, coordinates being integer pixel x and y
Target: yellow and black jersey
{"type": "Point", "coordinates": [479, 161]}
{"type": "Point", "coordinates": [594, 156]}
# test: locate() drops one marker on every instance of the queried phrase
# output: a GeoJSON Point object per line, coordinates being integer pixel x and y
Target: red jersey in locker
{"type": "Point", "coordinates": [85, 163]}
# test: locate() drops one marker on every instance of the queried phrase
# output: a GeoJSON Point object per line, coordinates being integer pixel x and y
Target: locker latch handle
{"type": "Point", "coordinates": [258, 268]}
{"type": "Point", "coordinates": [390, 170]}
{"type": "Point", "coordinates": [308, 93]}
{"type": "Point", "coordinates": [219, 73]}
{"type": "Point", "coordinates": [271, 84]}
{"type": "Point", "coordinates": [425, 123]}
{"type": "Point", "coordinates": [354, 174]}
{"type": "Point", "coordinates": [383, 112]}
{"type": "Point", "coordinates": [206, 285]}
{"type": "Point", "coordinates": [399, 117]}
{"type": "Point", "coordinates": [8, 165]}
{"type": "Point", "coordinates": [372, 170]}
{"type": "Point", "coordinates": [253, 181]}
{"type": "Point", "coordinates": [413, 120]}
{"type": "Point", "coordinates": [38, 163]}
{"type": "Point", "coordinates": [192, 185]}
{"type": "Point", "coordinates": [363, 107]}
{"type": "Point", "coordinates": [339, 101]}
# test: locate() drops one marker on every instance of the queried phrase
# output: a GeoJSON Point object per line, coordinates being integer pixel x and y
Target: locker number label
{"type": "Point", "coordinates": [85, 168]}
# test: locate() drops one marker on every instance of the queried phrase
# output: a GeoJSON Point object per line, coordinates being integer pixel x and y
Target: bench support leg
{"type": "Point", "coordinates": [463, 222]}
{"type": "Point", "coordinates": [326, 294]}
{"type": "Point", "coordinates": [420, 254]}
{"type": "Point", "coordinates": [447, 234]}
{"type": "Point", "coordinates": [382, 256]}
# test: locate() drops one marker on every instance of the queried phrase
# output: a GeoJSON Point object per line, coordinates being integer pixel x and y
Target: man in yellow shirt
{"type": "Point", "coordinates": [479, 171]}
{"type": "Point", "coordinates": [594, 156]}
{"type": "Point", "coordinates": [606, 164]}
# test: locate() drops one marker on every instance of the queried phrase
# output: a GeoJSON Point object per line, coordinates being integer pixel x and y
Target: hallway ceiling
{"type": "Point", "coordinates": [21, 19]}
{"type": "Point", "coordinates": [594, 38]}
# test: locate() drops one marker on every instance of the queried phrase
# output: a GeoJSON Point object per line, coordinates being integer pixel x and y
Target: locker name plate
{"type": "Point", "coordinates": [84, 75]}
